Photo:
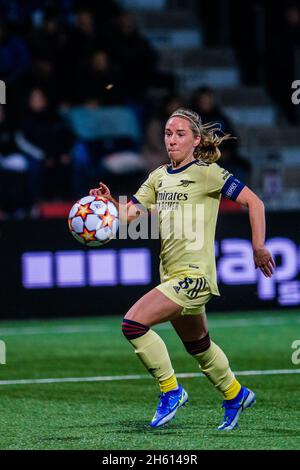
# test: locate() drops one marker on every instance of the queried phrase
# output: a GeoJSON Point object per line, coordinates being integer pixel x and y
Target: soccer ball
{"type": "Point", "coordinates": [93, 220]}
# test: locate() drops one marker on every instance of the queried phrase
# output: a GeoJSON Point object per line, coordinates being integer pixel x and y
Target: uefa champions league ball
{"type": "Point", "coordinates": [93, 220]}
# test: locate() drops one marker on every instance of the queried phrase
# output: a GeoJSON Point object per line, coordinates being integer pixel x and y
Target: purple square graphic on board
{"type": "Point", "coordinates": [37, 270]}
{"type": "Point", "coordinates": [70, 269]}
{"type": "Point", "coordinates": [135, 266]}
{"type": "Point", "coordinates": [102, 268]}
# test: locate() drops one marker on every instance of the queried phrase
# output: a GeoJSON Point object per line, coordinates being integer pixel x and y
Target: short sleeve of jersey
{"type": "Point", "coordinates": [220, 180]}
{"type": "Point", "coordinates": [146, 194]}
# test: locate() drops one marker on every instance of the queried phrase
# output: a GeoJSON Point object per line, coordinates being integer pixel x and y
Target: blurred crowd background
{"type": "Point", "coordinates": [90, 84]}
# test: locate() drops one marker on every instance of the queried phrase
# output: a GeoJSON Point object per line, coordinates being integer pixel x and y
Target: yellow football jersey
{"type": "Point", "coordinates": [187, 201]}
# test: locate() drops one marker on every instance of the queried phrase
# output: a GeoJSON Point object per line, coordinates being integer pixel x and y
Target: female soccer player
{"type": "Point", "coordinates": [187, 268]}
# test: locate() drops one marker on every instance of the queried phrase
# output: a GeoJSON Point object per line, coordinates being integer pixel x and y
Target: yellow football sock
{"type": "Point", "coordinates": [214, 364]}
{"type": "Point", "coordinates": [152, 352]}
{"type": "Point", "coordinates": [232, 391]}
{"type": "Point", "coordinates": [168, 384]}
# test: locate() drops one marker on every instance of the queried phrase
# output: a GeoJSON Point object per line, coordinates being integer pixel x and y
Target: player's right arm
{"type": "Point", "coordinates": [127, 212]}
{"type": "Point", "coordinates": [142, 201]}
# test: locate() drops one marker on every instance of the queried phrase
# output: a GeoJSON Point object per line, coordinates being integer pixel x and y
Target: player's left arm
{"type": "Point", "coordinates": [262, 257]}
{"type": "Point", "coordinates": [220, 180]}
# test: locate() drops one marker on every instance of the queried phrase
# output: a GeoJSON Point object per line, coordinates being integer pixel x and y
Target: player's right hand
{"type": "Point", "coordinates": [102, 190]}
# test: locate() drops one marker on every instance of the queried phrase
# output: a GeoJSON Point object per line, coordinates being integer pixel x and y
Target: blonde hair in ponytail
{"type": "Point", "coordinates": [208, 149]}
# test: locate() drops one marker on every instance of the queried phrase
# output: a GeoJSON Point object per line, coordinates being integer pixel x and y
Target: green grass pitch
{"type": "Point", "coordinates": [114, 414]}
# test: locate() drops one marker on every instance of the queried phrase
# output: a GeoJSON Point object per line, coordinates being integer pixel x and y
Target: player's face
{"type": "Point", "coordinates": [179, 140]}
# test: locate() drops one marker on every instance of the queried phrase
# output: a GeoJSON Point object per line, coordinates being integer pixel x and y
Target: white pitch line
{"type": "Point", "coordinates": [111, 378]}
{"type": "Point", "coordinates": [40, 330]}
{"type": "Point", "coordinates": [94, 328]}
{"type": "Point", "coordinates": [242, 322]}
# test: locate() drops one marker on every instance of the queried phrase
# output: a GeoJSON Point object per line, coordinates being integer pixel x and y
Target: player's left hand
{"type": "Point", "coordinates": [264, 261]}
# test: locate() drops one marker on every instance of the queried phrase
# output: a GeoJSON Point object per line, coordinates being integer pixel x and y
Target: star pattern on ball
{"type": "Point", "coordinates": [107, 219]}
{"type": "Point", "coordinates": [88, 235]}
{"type": "Point", "coordinates": [83, 211]}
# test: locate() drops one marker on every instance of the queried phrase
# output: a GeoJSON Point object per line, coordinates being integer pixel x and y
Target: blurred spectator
{"type": "Point", "coordinates": [283, 40]}
{"type": "Point", "coordinates": [14, 56]}
{"type": "Point", "coordinates": [104, 13]}
{"type": "Point", "coordinates": [82, 40]}
{"type": "Point", "coordinates": [7, 144]}
{"type": "Point", "coordinates": [83, 51]}
{"type": "Point", "coordinates": [85, 36]}
{"type": "Point", "coordinates": [203, 102]}
{"type": "Point", "coordinates": [272, 177]}
{"type": "Point", "coordinates": [236, 164]}
{"type": "Point", "coordinates": [44, 42]}
{"type": "Point", "coordinates": [237, 25]}
{"type": "Point", "coordinates": [134, 54]}
{"type": "Point", "coordinates": [46, 141]}
{"type": "Point", "coordinates": [47, 45]}
{"type": "Point", "coordinates": [99, 80]}
{"type": "Point", "coordinates": [42, 74]}
{"type": "Point", "coordinates": [154, 150]}
{"type": "Point", "coordinates": [13, 168]}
